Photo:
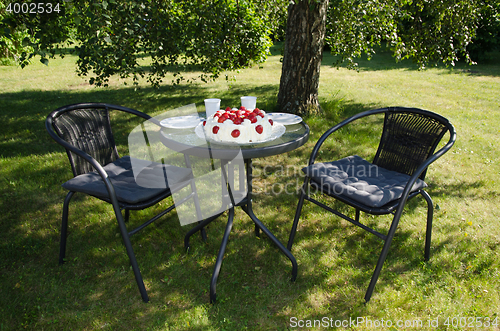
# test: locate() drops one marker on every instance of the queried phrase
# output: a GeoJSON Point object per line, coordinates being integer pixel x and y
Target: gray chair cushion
{"type": "Point", "coordinates": [360, 180]}
{"type": "Point", "coordinates": [147, 184]}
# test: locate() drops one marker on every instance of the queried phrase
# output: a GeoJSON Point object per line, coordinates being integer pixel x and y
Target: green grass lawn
{"type": "Point", "coordinates": [96, 290]}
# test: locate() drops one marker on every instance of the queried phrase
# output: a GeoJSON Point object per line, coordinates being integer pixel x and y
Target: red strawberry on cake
{"type": "Point", "coordinates": [238, 125]}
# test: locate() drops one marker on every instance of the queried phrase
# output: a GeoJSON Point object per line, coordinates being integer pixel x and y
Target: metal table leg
{"type": "Point", "coordinates": [246, 205]}
{"type": "Point", "coordinates": [259, 225]}
{"type": "Point", "coordinates": [220, 256]}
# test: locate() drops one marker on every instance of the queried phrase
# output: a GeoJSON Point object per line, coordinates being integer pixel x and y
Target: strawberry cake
{"type": "Point", "coordinates": [238, 126]}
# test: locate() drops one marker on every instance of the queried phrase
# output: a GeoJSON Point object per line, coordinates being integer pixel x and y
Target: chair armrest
{"type": "Point", "coordinates": [325, 136]}
{"type": "Point", "coordinates": [134, 112]}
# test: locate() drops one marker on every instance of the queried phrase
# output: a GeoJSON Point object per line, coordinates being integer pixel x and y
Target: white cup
{"type": "Point", "coordinates": [249, 102]}
{"type": "Point", "coordinates": [211, 106]}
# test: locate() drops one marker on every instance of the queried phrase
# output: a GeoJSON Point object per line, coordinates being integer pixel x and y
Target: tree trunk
{"type": "Point", "coordinates": [304, 40]}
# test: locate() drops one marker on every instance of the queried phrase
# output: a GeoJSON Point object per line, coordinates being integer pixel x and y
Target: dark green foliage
{"type": "Point", "coordinates": [487, 37]}
{"type": "Point", "coordinates": [427, 31]}
{"type": "Point", "coordinates": [33, 34]}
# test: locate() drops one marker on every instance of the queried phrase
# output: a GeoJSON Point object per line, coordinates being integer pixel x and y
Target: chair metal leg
{"type": "Point", "coordinates": [378, 268]}
{"type": "Point", "coordinates": [64, 227]}
{"type": "Point", "coordinates": [297, 214]}
{"type": "Point", "coordinates": [130, 252]}
{"type": "Point", "coordinates": [385, 251]}
{"type": "Point", "coordinates": [428, 232]}
{"type": "Point", "coordinates": [125, 236]}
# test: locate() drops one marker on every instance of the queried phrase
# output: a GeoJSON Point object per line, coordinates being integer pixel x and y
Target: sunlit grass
{"type": "Point", "coordinates": [95, 289]}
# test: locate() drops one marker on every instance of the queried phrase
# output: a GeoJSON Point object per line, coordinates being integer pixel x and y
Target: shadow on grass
{"type": "Point", "coordinates": [466, 190]}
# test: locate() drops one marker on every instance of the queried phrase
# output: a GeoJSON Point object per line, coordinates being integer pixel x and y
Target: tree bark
{"type": "Point", "coordinates": [304, 40]}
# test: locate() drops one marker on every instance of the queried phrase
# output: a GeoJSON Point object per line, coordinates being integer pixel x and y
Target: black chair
{"type": "Point", "coordinates": [396, 174]}
{"type": "Point", "coordinates": [84, 130]}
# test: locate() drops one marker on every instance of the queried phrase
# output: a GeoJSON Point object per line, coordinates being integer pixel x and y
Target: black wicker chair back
{"type": "Point", "coordinates": [407, 147]}
{"type": "Point", "coordinates": [89, 130]}
{"type": "Point", "coordinates": [408, 139]}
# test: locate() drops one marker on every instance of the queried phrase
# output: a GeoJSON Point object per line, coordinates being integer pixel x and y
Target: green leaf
{"type": "Point", "coordinates": [44, 61]}
{"type": "Point", "coordinates": [26, 41]}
